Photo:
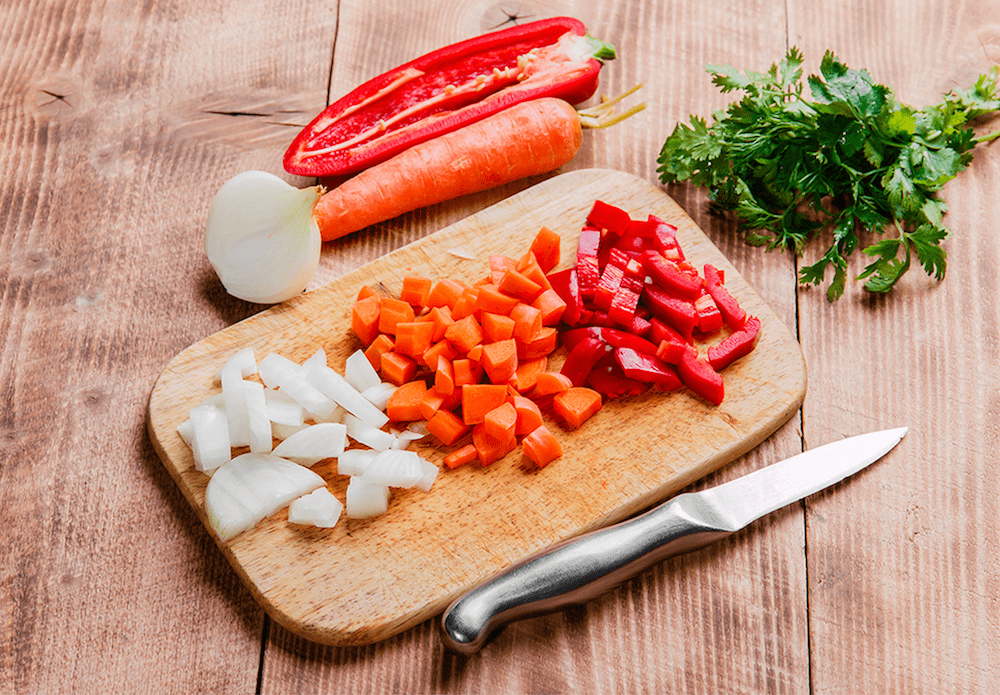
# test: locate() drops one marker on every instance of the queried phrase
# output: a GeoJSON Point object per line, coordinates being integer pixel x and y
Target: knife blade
{"type": "Point", "coordinates": [582, 568]}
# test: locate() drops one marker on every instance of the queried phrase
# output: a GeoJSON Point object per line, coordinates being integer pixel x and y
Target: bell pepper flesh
{"type": "Point", "coordinates": [447, 89]}
{"type": "Point", "coordinates": [739, 344]}
{"type": "Point", "coordinates": [647, 368]}
{"type": "Point", "coordinates": [582, 358]}
{"type": "Point", "coordinates": [732, 313]}
{"type": "Point", "coordinates": [698, 375]}
{"type": "Point", "coordinates": [609, 380]}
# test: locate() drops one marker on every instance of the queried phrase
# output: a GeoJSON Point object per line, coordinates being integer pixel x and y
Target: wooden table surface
{"type": "Point", "coordinates": [119, 120]}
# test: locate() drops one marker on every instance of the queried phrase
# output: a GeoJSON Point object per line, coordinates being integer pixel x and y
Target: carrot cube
{"type": "Point", "coordinates": [500, 265]}
{"type": "Point", "coordinates": [413, 338]}
{"type": "Point", "coordinates": [541, 446]}
{"type": "Point", "coordinates": [466, 372]}
{"type": "Point", "coordinates": [447, 427]}
{"type": "Point", "coordinates": [500, 360]}
{"type": "Point", "coordinates": [496, 326]}
{"type": "Point", "coordinates": [397, 369]}
{"type": "Point", "coordinates": [444, 377]}
{"type": "Point", "coordinates": [527, 321]}
{"type": "Point", "coordinates": [576, 405]}
{"type": "Point", "coordinates": [415, 290]}
{"type": "Point", "coordinates": [460, 457]}
{"type": "Point", "coordinates": [365, 319]}
{"type": "Point", "coordinates": [543, 343]}
{"type": "Point", "coordinates": [517, 285]}
{"type": "Point", "coordinates": [529, 415]}
{"type": "Point", "coordinates": [382, 343]}
{"type": "Point", "coordinates": [491, 299]}
{"type": "Point", "coordinates": [551, 305]}
{"type": "Point", "coordinates": [394, 311]}
{"type": "Point", "coordinates": [465, 334]}
{"type": "Point", "coordinates": [442, 348]}
{"type": "Point", "coordinates": [490, 449]}
{"type": "Point", "coordinates": [546, 248]}
{"type": "Point", "coordinates": [404, 403]}
{"type": "Point", "coordinates": [479, 399]}
{"type": "Point", "coordinates": [465, 305]}
{"type": "Point", "coordinates": [445, 293]}
{"type": "Point", "coordinates": [526, 375]}
{"type": "Point", "coordinates": [499, 423]}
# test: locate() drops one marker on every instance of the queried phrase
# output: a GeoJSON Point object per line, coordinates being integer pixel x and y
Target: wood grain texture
{"type": "Point", "coordinates": [115, 127]}
{"type": "Point", "coordinates": [364, 581]}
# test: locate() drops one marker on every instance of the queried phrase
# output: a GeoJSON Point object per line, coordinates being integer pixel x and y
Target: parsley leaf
{"type": "Point", "coordinates": [843, 155]}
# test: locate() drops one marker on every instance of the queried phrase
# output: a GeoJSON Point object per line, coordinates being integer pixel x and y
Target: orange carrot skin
{"type": "Point", "coordinates": [576, 405]}
{"type": "Point", "coordinates": [527, 139]}
{"type": "Point", "coordinates": [541, 446]}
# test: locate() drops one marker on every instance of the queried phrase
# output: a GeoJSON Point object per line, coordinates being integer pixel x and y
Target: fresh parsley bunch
{"type": "Point", "coordinates": [849, 157]}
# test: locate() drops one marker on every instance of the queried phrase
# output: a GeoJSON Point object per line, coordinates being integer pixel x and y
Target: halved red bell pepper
{"type": "Point", "coordinates": [447, 89]}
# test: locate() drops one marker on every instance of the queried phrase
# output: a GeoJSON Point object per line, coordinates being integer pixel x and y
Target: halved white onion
{"type": "Point", "coordinates": [312, 444]}
{"type": "Point", "coordinates": [209, 437]}
{"type": "Point", "coordinates": [261, 237]}
{"type": "Point", "coordinates": [359, 372]}
{"type": "Point", "coordinates": [365, 500]}
{"type": "Point", "coordinates": [355, 461]}
{"type": "Point", "coordinates": [318, 508]}
{"type": "Point", "coordinates": [251, 487]}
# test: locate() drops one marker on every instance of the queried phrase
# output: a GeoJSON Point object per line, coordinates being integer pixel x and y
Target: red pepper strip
{"type": "Point", "coordinates": [669, 277]}
{"type": "Point", "coordinates": [604, 216]}
{"type": "Point", "coordinates": [678, 313]}
{"type": "Point", "coordinates": [660, 331]}
{"type": "Point", "coordinates": [609, 380]}
{"type": "Point", "coordinates": [588, 272]}
{"type": "Point", "coordinates": [639, 326]}
{"type": "Point", "coordinates": [709, 316]}
{"type": "Point", "coordinates": [625, 339]}
{"type": "Point", "coordinates": [565, 284]}
{"type": "Point", "coordinates": [671, 352]}
{"type": "Point", "coordinates": [447, 89]}
{"type": "Point", "coordinates": [607, 288]}
{"type": "Point", "coordinates": [582, 358]}
{"type": "Point", "coordinates": [732, 313]}
{"type": "Point", "coordinates": [665, 238]}
{"type": "Point", "coordinates": [698, 375]}
{"type": "Point", "coordinates": [647, 368]}
{"type": "Point", "coordinates": [572, 337]}
{"type": "Point", "coordinates": [625, 301]}
{"type": "Point", "coordinates": [644, 229]}
{"type": "Point", "coordinates": [739, 344]}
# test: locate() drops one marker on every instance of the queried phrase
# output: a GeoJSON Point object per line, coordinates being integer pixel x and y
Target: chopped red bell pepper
{"type": "Point", "coordinates": [739, 344]}
{"type": "Point", "coordinates": [565, 284]}
{"type": "Point", "coordinates": [609, 380]}
{"type": "Point", "coordinates": [709, 316]}
{"type": "Point", "coordinates": [732, 312]}
{"type": "Point", "coordinates": [667, 275]}
{"type": "Point", "coordinates": [698, 375]}
{"type": "Point", "coordinates": [604, 216]}
{"type": "Point", "coordinates": [626, 339]}
{"type": "Point", "coordinates": [670, 351]}
{"type": "Point", "coordinates": [588, 271]}
{"type": "Point", "coordinates": [607, 287]}
{"type": "Point", "coordinates": [447, 89]}
{"type": "Point", "coordinates": [665, 237]}
{"type": "Point", "coordinates": [647, 368]}
{"type": "Point", "coordinates": [625, 301]}
{"type": "Point", "coordinates": [582, 358]}
{"type": "Point", "coordinates": [678, 313]}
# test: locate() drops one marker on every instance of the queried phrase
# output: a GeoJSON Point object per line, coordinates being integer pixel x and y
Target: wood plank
{"type": "Point", "coordinates": [118, 122]}
{"type": "Point", "coordinates": [366, 580]}
{"type": "Point", "coordinates": [710, 602]}
{"type": "Point", "coordinates": [901, 562]}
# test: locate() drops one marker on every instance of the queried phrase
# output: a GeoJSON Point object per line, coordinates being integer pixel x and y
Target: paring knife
{"type": "Point", "coordinates": [581, 569]}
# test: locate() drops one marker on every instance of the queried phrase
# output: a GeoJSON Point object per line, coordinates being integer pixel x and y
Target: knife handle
{"type": "Point", "coordinates": [581, 569]}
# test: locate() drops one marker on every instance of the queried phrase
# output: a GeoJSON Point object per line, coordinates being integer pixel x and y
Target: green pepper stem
{"type": "Point", "coordinates": [600, 49]}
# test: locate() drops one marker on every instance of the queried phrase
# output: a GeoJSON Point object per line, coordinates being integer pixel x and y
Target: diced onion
{"type": "Point", "coordinates": [236, 405]}
{"type": "Point", "coordinates": [360, 373]}
{"type": "Point", "coordinates": [355, 461]}
{"type": "Point", "coordinates": [404, 438]}
{"type": "Point", "coordinates": [261, 237]}
{"type": "Point", "coordinates": [394, 468]}
{"type": "Point", "coordinates": [209, 437]}
{"type": "Point", "coordinates": [430, 475]}
{"type": "Point", "coordinates": [367, 434]}
{"type": "Point", "coordinates": [312, 444]}
{"type": "Point", "coordinates": [245, 360]}
{"type": "Point", "coordinates": [317, 358]}
{"type": "Point", "coordinates": [283, 432]}
{"type": "Point", "coordinates": [283, 410]}
{"type": "Point", "coordinates": [365, 500]}
{"type": "Point", "coordinates": [334, 386]}
{"type": "Point", "coordinates": [251, 487]}
{"type": "Point", "coordinates": [280, 372]}
{"type": "Point", "coordinates": [258, 423]}
{"type": "Point", "coordinates": [318, 508]}
{"type": "Point", "coordinates": [380, 394]}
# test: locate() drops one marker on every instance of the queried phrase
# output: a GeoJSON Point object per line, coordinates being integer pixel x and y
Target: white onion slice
{"type": "Point", "coordinates": [317, 358]}
{"type": "Point", "coordinates": [430, 475]}
{"type": "Point", "coordinates": [209, 437]}
{"type": "Point", "coordinates": [258, 423]}
{"type": "Point", "coordinates": [283, 410]}
{"type": "Point", "coordinates": [365, 500]}
{"type": "Point", "coordinates": [251, 487]}
{"type": "Point", "coordinates": [405, 438]}
{"type": "Point", "coordinates": [236, 405]}
{"type": "Point", "coordinates": [245, 360]}
{"type": "Point", "coordinates": [283, 432]}
{"type": "Point", "coordinates": [380, 394]}
{"type": "Point", "coordinates": [312, 444]}
{"type": "Point", "coordinates": [280, 372]}
{"type": "Point", "coordinates": [367, 434]}
{"type": "Point", "coordinates": [394, 468]}
{"type": "Point", "coordinates": [318, 508]}
{"type": "Point", "coordinates": [186, 431]}
{"type": "Point", "coordinates": [360, 373]}
{"type": "Point", "coordinates": [261, 237]}
{"type": "Point", "coordinates": [355, 461]}
{"type": "Point", "coordinates": [334, 386]}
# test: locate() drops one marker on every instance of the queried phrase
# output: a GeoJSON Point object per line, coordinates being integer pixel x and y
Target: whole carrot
{"type": "Point", "coordinates": [527, 139]}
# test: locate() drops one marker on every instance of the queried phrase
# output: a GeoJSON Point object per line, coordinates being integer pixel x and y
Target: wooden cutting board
{"type": "Point", "coordinates": [366, 580]}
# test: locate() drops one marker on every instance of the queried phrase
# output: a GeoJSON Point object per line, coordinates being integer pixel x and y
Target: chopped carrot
{"type": "Point", "coordinates": [527, 321]}
{"type": "Point", "coordinates": [529, 415]}
{"type": "Point", "coordinates": [500, 360]}
{"type": "Point", "coordinates": [576, 405]}
{"type": "Point", "coordinates": [479, 399]}
{"type": "Point", "coordinates": [546, 248]}
{"type": "Point", "coordinates": [397, 369]}
{"type": "Point", "coordinates": [466, 371]}
{"type": "Point", "coordinates": [460, 457]}
{"type": "Point", "coordinates": [464, 334]}
{"type": "Point", "coordinates": [551, 305]}
{"type": "Point", "coordinates": [415, 290]}
{"type": "Point", "coordinates": [491, 299]}
{"type": "Point", "coordinates": [404, 403]}
{"type": "Point", "coordinates": [382, 343]}
{"type": "Point", "coordinates": [394, 311]}
{"type": "Point", "coordinates": [529, 268]}
{"type": "Point", "coordinates": [496, 326]}
{"type": "Point", "coordinates": [442, 348]}
{"type": "Point", "coordinates": [517, 285]}
{"type": "Point", "coordinates": [526, 375]}
{"type": "Point", "coordinates": [527, 139]}
{"type": "Point", "coordinates": [476, 353]}
{"type": "Point", "coordinates": [367, 291]}
{"type": "Point", "coordinates": [413, 338]}
{"type": "Point", "coordinates": [365, 319]}
{"type": "Point", "coordinates": [499, 423]}
{"type": "Point", "coordinates": [444, 377]}
{"type": "Point", "coordinates": [490, 449]}
{"type": "Point", "coordinates": [447, 427]}
{"type": "Point", "coordinates": [465, 305]}
{"type": "Point", "coordinates": [500, 265]}
{"type": "Point", "coordinates": [441, 317]}
{"type": "Point", "coordinates": [445, 293]}
{"type": "Point", "coordinates": [543, 343]}
{"type": "Point", "coordinates": [549, 383]}
{"type": "Point", "coordinates": [541, 446]}
{"type": "Point", "coordinates": [433, 401]}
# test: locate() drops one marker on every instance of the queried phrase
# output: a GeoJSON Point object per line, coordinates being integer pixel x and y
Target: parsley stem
{"type": "Point", "coordinates": [987, 138]}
